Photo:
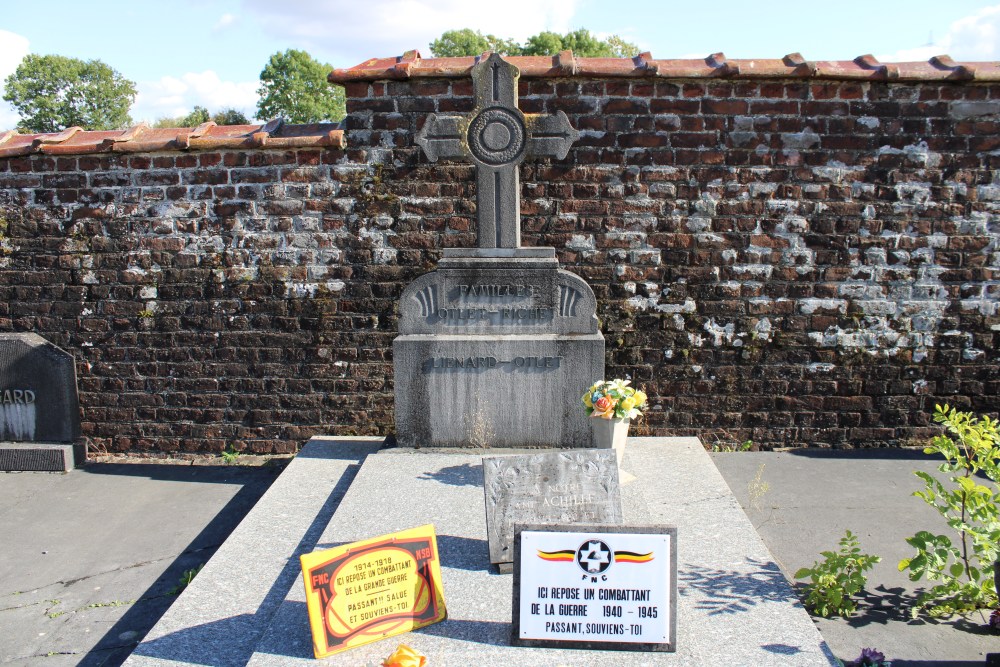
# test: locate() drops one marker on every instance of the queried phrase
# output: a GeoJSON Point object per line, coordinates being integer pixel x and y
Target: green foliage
{"type": "Point", "coordinates": [835, 580]}
{"type": "Point", "coordinates": [293, 86]}
{"type": "Point", "coordinates": [230, 116]}
{"type": "Point", "coordinates": [724, 446]}
{"type": "Point", "coordinates": [964, 568]}
{"type": "Point", "coordinates": [52, 93]}
{"type": "Point", "coordinates": [581, 42]}
{"type": "Point", "coordinates": [197, 116]}
{"type": "Point", "coordinates": [200, 115]}
{"type": "Point", "coordinates": [231, 454]}
{"type": "Point", "coordinates": [468, 42]}
{"type": "Point", "coordinates": [185, 579]}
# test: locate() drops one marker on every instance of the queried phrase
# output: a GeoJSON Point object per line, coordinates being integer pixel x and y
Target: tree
{"type": "Point", "coordinates": [200, 115]}
{"type": "Point", "coordinates": [52, 93]}
{"type": "Point", "coordinates": [466, 42]}
{"type": "Point", "coordinates": [230, 116]}
{"type": "Point", "coordinates": [293, 85]}
{"type": "Point", "coordinates": [197, 116]}
{"type": "Point", "coordinates": [583, 43]}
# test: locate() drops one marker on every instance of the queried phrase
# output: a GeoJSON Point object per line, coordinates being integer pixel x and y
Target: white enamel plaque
{"type": "Point", "coordinates": [601, 587]}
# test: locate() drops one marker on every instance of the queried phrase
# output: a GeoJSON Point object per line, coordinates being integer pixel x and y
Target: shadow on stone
{"type": "Point", "coordinates": [904, 454]}
{"type": "Point", "coordinates": [112, 650]}
{"type": "Point", "coordinates": [731, 592]}
{"type": "Point", "coordinates": [234, 639]}
{"type": "Point", "coordinates": [463, 475]}
{"type": "Point", "coordinates": [464, 553]}
{"type": "Point", "coordinates": [781, 649]}
{"type": "Point", "coordinates": [196, 638]}
{"type": "Point", "coordinates": [492, 633]}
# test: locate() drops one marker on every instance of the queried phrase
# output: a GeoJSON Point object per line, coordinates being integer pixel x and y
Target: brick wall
{"type": "Point", "coordinates": [797, 263]}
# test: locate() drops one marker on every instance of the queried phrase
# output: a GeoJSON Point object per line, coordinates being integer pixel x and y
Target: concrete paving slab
{"type": "Point", "coordinates": [89, 556]}
{"type": "Point", "coordinates": [735, 607]}
{"type": "Point", "coordinates": [813, 496]}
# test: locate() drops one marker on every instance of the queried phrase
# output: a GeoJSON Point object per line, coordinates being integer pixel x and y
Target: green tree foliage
{"type": "Point", "coordinates": [293, 85]}
{"type": "Point", "coordinates": [230, 116]}
{"type": "Point", "coordinates": [200, 115]}
{"type": "Point", "coordinates": [467, 42]}
{"type": "Point", "coordinates": [52, 93]}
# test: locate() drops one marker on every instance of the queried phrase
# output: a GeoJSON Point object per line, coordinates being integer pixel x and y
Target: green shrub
{"type": "Point", "coordinates": [837, 579]}
{"type": "Point", "coordinates": [963, 567]}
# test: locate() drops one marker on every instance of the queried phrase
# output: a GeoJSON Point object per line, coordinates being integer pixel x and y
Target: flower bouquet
{"type": "Point", "coordinates": [614, 399]}
{"type": "Point", "coordinates": [611, 404]}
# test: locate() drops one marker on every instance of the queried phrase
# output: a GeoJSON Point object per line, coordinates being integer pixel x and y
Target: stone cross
{"type": "Point", "coordinates": [497, 137]}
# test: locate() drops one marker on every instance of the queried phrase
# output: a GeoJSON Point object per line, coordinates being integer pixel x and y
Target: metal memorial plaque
{"type": "Point", "coordinates": [595, 587]}
{"type": "Point", "coordinates": [564, 487]}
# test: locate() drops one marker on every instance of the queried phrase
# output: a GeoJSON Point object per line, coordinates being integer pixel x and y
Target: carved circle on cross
{"type": "Point", "coordinates": [497, 136]}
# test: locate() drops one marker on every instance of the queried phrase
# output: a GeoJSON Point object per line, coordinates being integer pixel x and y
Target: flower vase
{"type": "Point", "coordinates": [610, 434]}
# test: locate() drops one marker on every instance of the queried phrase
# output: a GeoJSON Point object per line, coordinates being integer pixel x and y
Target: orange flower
{"type": "Point", "coordinates": [603, 403]}
{"type": "Point", "coordinates": [404, 656]}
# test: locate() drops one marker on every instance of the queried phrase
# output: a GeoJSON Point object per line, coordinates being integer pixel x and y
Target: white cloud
{"type": "Point", "coordinates": [176, 96]}
{"type": "Point", "coordinates": [976, 37]}
{"type": "Point", "coordinates": [347, 33]}
{"type": "Point", "coordinates": [225, 21]}
{"type": "Point", "coordinates": [972, 38]}
{"type": "Point", "coordinates": [13, 48]}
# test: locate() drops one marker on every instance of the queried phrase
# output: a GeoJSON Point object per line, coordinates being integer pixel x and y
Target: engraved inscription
{"type": "Point", "coordinates": [559, 487]}
{"type": "Point", "coordinates": [17, 397]}
{"type": "Point", "coordinates": [455, 363]}
{"type": "Point", "coordinates": [497, 290]}
{"type": "Point", "coordinates": [473, 314]}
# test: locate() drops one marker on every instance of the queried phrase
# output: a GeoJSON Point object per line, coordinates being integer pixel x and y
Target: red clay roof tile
{"type": "Point", "coordinates": [144, 139]}
{"type": "Point", "coordinates": [565, 64]}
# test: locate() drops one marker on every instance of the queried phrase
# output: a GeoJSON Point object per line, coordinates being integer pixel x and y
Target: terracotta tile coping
{"type": "Point", "coordinates": [144, 139]}
{"type": "Point", "coordinates": [793, 66]}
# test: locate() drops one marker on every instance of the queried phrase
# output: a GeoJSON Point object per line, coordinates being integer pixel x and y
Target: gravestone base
{"type": "Point", "coordinates": [496, 347]}
{"type": "Point", "coordinates": [40, 457]}
{"type": "Point", "coordinates": [518, 391]}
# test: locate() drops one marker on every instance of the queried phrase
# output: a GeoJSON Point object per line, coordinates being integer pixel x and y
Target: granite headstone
{"type": "Point", "coordinates": [498, 344]}
{"type": "Point", "coordinates": [38, 403]}
{"type": "Point", "coordinates": [565, 487]}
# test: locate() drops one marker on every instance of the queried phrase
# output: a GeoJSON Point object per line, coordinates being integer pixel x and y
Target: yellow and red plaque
{"type": "Point", "coordinates": [365, 591]}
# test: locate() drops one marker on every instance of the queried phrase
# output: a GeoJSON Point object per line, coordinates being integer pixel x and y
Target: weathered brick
{"type": "Point", "coordinates": [733, 256]}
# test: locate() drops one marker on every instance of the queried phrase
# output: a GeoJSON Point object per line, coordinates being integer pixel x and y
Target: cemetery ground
{"type": "Point", "coordinates": [92, 557]}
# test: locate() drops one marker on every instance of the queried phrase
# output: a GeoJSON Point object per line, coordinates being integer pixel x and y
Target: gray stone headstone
{"type": "Point", "coordinates": [38, 394]}
{"type": "Point", "coordinates": [565, 487]}
{"type": "Point", "coordinates": [496, 346]}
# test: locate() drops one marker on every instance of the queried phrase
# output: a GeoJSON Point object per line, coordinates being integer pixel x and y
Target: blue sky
{"type": "Point", "coordinates": [210, 52]}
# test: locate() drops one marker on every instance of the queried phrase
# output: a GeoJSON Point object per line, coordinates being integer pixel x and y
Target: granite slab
{"type": "Point", "coordinates": [734, 607]}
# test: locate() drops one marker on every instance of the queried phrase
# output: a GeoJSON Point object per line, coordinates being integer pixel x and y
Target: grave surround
{"type": "Point", "coordinates": [734, 606]}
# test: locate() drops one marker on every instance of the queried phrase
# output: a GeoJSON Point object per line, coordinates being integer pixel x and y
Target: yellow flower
{"type": "Point", "coordinates": [587, 400]}
{"type": "Point", "coordinates": [404, 656]}
{"type": "Point", "coordinates": [640, 398]}
{"type": "Point", "coordinates": [627, 403]}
